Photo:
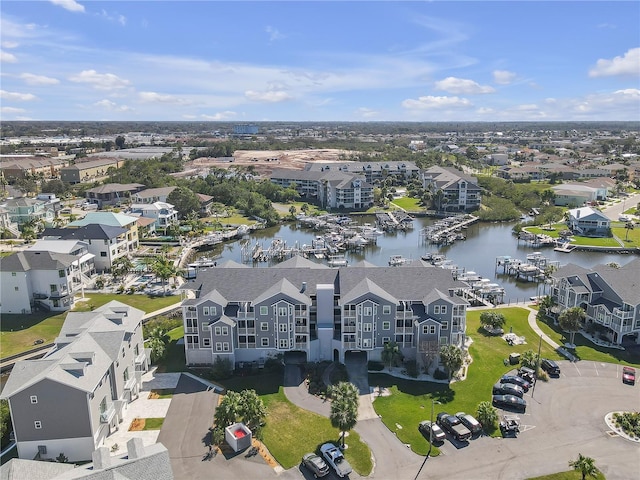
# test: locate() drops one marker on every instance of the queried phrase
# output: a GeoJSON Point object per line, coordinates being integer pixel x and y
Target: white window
{"type": "Point", "coordinates": [37, 424]}
{"type": "Point", "coordinates": [443, 309]}
{"type": "Point", "coordinates": [225, 346]}
{"type": "Point", "coordinates": [284, 343]}
{"type": "Point", "coordinates": [282, 327]}
{"type": "Point", "coordinates": [436, 309]}
{"type": "Point", "coordinates": [386, 325]}
{"type": "Point", "coordinates": [428, 329]}
{"type": "Point", "coordinates": [366, 343]}
{"type": "Point", "coordinates": [445, 325]}
{"type": "Point", "coordinates": [385, 340]}
{"type": "Point", "coordinates": [264, 342]}
{"type": "Point", "coordinates": [205, 310]}
{"type": "Point", "coordinates": [444, 340]}
{"type": "Point", "coordinates": [264, 310]}
{"type": "Point", "coordinates": [217, 331]}
{"type": "Point", "coordinates": [206, 342]}
{"type": "Point", "coordinates": [367, 327]}
{"type": "Point", "coordinates": [225, 330]}
{"type": "Point", "coordinates": [264, 326]}
{"type": "Point", "coordinates": [213, 310]}
{"type": "Point", "coordinates": [386, 309]}
{"type": "Point", "coordinates": [218, 346]}
{"type": "Point", "coordinates": [368, 311]}
{"type": "Point", "coordinates": [34, 399]}
{"type": "Point", "coordinates": [283, 311]}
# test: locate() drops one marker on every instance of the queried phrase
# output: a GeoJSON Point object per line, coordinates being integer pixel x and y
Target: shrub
{"type": "Point", "coordinates": [221, 369]}
{"type": "Point", "coordinates": [440, 374]}
{"type": "Point", "coordinates": [375, 366]}
{"type": "Point", "coordinates": [273, 365]}
{"type": "Point", "coordinates": [412, 368]}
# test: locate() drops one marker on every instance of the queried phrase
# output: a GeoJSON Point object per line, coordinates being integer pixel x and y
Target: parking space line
{"type": "Point", "coordinates": [596, 367]}
{"type": "Point", "coordinates": [577, 369]}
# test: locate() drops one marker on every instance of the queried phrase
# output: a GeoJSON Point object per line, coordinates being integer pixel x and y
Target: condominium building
{"type": "Point", "coordinates": [452, 190]}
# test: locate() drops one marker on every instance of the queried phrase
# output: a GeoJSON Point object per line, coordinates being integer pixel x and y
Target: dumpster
{"type": "Point", "coordinates": [238, 436]}
{"type": "Point", "coordinates": [514, 358]}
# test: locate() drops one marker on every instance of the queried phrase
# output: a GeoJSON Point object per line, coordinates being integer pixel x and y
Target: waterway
{"type": "Point", "coordinates": [484, 243]}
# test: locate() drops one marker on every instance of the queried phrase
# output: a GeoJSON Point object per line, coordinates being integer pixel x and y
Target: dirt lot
{"type": "Point", "coordinates": [264, 162]}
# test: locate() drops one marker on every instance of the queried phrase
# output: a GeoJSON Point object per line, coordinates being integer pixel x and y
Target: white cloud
{"type": "Point", "coordinates": [219, 116]}
{"type": "Point", "coordinates": [70, 5]}
{"type": "Point", "coordinates": [431, 102]}
{"type": "Point", "coordinates": [7, 57]}
{"type": "Point", "coordinates": [503, 77]}
{"type": "Point", "coordinates": [365, 112]}
{"type": "Point", "coordinates": [12, 110]}
{"type": "Point", "coordinates": [9, 45]}
{"type": "Point", "coordinates": [38, 80]}
{"type": "Point", "coordinates": [17, 97]}
{"type": "Point", "coordinates": [112, 106]}
{"type": "Point", "coordinates": [627, 65]}
{"type": "Point", "coordinates": [274, 33]}
{"type": "Point", "coordinates": [113, 17]}
{"type": "Point", "coordinates": [100, 81]}
{"type": "Point", "coordinates": [462, 86]}
{"type": "Point", "coordinates": [270, 96]}
{"type": "Point", "coordinates": [154, 97]}
{"type": "Point", "coordinates": [122, 20]}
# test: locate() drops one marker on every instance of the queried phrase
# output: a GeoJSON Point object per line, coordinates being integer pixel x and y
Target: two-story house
{"type": "Point", "coordinates": [248, 314]}
{"type": "Point", "coordinates": [71, 399]}
{"type": "Point", "coordinates": [112, 193]}
{"type": "Point", "coordinates": [23, 210]}
{"type": "Point", "coordinates": [163, 213]}
{"type": "Point", "coordinates": [111, 219]}
{"type": "Point", "coordinates": [452, 190]}
{"type": "Point", "coordinates": [588, 222]}
{"type": "Point", "coordinates": [609, 296]}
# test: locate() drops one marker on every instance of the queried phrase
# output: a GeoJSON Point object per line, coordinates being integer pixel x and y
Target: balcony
{"type": "Point", "coordinates": [302, 329]}
{"type": "Point", "coordinates": [404, 329]}
{"type": "Point", "coordinates": [622, 314]}
{"type": "Point", "coordinates": [349, 345]}
{"type": "Point", "coordinates": [191, 330]}
{"type": "Point", "coordinates": [626, 329]}
{"type": "Point", "coordinates": [58, 294]}
{"type": "Point", "coordinates": [130, 384]}
{"type": "Point", "coordinates": [245, 315]}
{"type": "Point", "coordinates": [349, 329]}
{"type": "Point", "coordinates": [301, 345]}
{"type": "Point", "coordinates": [108, 414]}
{"type": "Point", "coordinates": [40, 296]}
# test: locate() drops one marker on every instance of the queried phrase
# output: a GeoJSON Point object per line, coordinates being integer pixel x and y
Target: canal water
{"type": "Point", "coordinates": [484, 243]}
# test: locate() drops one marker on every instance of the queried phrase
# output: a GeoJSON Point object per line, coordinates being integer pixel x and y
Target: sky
{"type": "Point", "coordinates": [320, 61]}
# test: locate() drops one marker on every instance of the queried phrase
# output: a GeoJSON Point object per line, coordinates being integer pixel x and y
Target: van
{"type": "Point", "coordinates": [550, 367]}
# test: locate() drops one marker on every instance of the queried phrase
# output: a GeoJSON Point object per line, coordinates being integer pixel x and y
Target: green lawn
{"type": "Point", "coordinates": [162, 393]}
{"type": "Point", "coordinates": [153, 423]}
{"type": "Point", "coordinates": [632, 236]}
{"type": "Point", "coordinates": [410, 401]}
{"type": "Point", "coordinates": [290, 432]}
{"type": "Point", "coordinates": [595, 242]}
{"type": "Point", "coordinates": [19, 332]}
{"type": "Point", "coordinates": [174, 361]}
{"type": "Point", "coordinates": [570, 475]}
{"type": "Point", "coordinates": [617, 229]}
{"type": "Point", "coordinates": [409, 204]}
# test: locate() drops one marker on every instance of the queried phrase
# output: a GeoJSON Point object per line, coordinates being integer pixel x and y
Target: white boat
{"type": "Point", "coordinates": [396, 260]}
{"type": "Point", "coordinates": [338, 261]}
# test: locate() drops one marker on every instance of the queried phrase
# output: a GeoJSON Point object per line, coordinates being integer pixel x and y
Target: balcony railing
{"type": "Point", "coordinates": [349, 329]}
{"type": "Point", "coordinates": [301, 345]}
{"type": "Point", "coordinates": [191, 330]}
{"type": "Point", "coordinates": [626, 329]}
{"type": "Point", "coordinates": [302, 329]}
{"type": "Point", "coordinates": [622, 314]}
{"type": "Point", "coordinates": [129, 384]}
{"type": "Point", "coordinates": [108, 414]}
{"type": "Point", "coordinates": [245, 315]}
{"type": "Point", "coordinates": [404, 329]}
{"type": "Point", "coordinates": [349, 345]}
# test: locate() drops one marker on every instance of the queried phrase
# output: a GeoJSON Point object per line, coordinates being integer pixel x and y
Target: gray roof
{"type": "Point", "coordinates": [625, 280]}
{"type": "Point", "coordinates": [92, 231]}
{"type": "Point", "coordinates": [19, 469]}
{"type": "Point", "coordinates": [100, 332]}
{"type": "Point", "coordinates": [116, 187]}
{"type": "Point", "coordinates": [33, 260]}
{"type": "Point", "coordinates": [363, 288]}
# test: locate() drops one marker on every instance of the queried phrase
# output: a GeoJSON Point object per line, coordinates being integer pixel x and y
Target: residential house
{"type": "Point", "coordinates": [163, 213]}
{"type": "Point", "coordinates": [572, 195]}
{"type": "Point", "coordinates": [452, 190]}
{"type": "Point", "coordinates": [24, 209]}
{"type": "Point", "coordinates": [105, 242]}
{"type": "Point", "coordinates": [112, 193]}
{"type": "Point", "coordinates": [141, 462]}
{"type": "Point", "coordinates": [89, 170]}
{"type": "Point", "coordinates": [83, 268]}
{"type": "Point", "coordinates": [249, 314]}
{"type": "Point", "coordinates": [152, 195]}
{"type": "Point", "coordinates": [329, 188]}
{"type": "Point", "coordinates": [112, 219]}
{"type": "Point", "coordinates": [34, 278]}
{"type": "Point", "coordinates": [609, 296]}
{"type": "Point", "coordinates": [8, 227]}
{"type": "Point", "coordinates": [74, 397]}
{"type": "Point", "coordinates": [373, 171]}
{"type": "Point", "coordinates": [589, 222]}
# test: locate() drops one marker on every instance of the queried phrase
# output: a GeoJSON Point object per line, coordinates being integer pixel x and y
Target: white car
{"type": "Point", "coordinates": [624, 218]}
{"type": "Point", "coordinates": [335, 459]}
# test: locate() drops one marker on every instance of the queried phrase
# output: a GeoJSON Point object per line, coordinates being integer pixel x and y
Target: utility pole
{"type": "Point", "coordinates": [433, 402]}
{"type": "Point", "coordinates": [535, 374]}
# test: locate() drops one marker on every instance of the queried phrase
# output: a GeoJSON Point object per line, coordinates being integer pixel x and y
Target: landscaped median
{"type": "Point", "coordinates": [410, 400]}
{"type": "Point", "coordinates": [18, 333]}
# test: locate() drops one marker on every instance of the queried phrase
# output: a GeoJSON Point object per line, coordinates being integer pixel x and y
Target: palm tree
{"type": "Point", "coordinates": [546, 304]}
{"type": "Point", "coordinates": [628, 226]}
{"type": "Point", "coordinates": [487, 415]}
{"type": "Point", "coordinates": [158, 341]}
{"type": "Point", "coordinates": [344, 407]}
{"type": "Point", "coordinates": [121, 266]}
{"type": "Point", "coordinates": [164, 269]}
{"type": "Point", "coordinates": [451, 357]}
{"type": "Point", "coordinates": [585, 465]}
{"type": "Point", "coordinates": [571, 320]}
{"type": "Point", "coordinates": [390, 353]}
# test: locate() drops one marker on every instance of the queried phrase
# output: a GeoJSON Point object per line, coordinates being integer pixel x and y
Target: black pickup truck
{"type": "Point", "coordinates": [453, 425]}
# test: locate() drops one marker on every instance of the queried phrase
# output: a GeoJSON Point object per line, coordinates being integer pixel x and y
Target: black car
{"type": "Point", "coordinates": [550, 367]}
{"type": "Point", "coordinates": [454, 426]}
{"type": "Point", "coordinates": [508, 389]}
{"type": "Point", "coordinates": [509, 402]}
{"type": "Point", "coordinates": [516, 380]}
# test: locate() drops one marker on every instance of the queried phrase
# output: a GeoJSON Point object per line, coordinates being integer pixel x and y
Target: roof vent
{"type": "Point", "coordinates": [304, 287]}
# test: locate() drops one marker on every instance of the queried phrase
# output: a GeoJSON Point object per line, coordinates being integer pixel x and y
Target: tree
{"type": "Point", "coordinates": [120, 141]}
{"type": "Point", "coordinates": [546, 304]}
{"type": "Point", "coordinates": [391, 354]}
{"type": "Point", "coordinates": [5, 418]}
{"type": "Point", "coordinates": [585, 465]}
{"type": "Point", "coordinates": [292, 211]}
{"type": "Point", "coordinates": [246, 407]}
{"type": "Point", "coordinates": [164, 269]}
{"type": "Point", "coordinates": [344, 407]}
{"type": "Point", "coordinates": [571, 320]}
{"type": "Point", "coordinates": [305, 208]}
{"type": "Point", "coordinates": [628, 226]}
{"type": "Point", "coordinates": [185, 201]}
{"type": "Point", "coordinates": [121, 266]}
{"type": "Point", "coordinates": [487, 415]}
{"type": "Point", "coordinates": [529, 359]}
{"type": "Point", "coordinates": [158, 341]}
{"type": "Point", "coordinates": [451, 358]}
{"type": "Point", "coordinates": [492, 319]}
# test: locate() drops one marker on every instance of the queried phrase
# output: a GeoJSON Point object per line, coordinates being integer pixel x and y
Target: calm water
{"type": "Point", "coordinates": [478, 252]}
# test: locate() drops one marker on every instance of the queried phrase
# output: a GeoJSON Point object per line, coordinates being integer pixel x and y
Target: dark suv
{"type": "Point", "coordinates": [550, 367]}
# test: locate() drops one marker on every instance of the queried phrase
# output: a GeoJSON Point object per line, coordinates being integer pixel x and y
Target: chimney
{"type": "Point", "coordinates": [304, 287]}
{"type": "Point", "coordinates": [101, 458]}
{"type": "Point", "coordinates": [578, 213]}
{"type": "Point", "coordinates": [451, 291]}
{"type": "Point", "coordinates": [135, 448]}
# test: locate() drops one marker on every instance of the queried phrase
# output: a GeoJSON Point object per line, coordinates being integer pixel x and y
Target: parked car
{"type": "Point", "coordinates": [453, 425]}
{"type": "Point", "coordinates": [509, 402]}
{"type": "Point", "coordinates": [432, 431]}
{"type": "Point", "coordinates": [470, 422]}
{"type": "Point", "coordinates": [315, 465]}
{"type": "Point", "coordinates": [629, 375]}
{"type": "Point", "coordinates": [508, 389]}
{"type": "Point", "coordinates": [550, 367]}
{"type": "Point", "coordinates": [335, 459]}
{"type": "Point", "coordinates": [528, 374]}
{"type": "Point", "coordinates": [516, 380]}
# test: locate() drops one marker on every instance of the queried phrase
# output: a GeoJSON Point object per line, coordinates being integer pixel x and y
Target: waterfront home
{"type": "Point", "coordinates": [452, 190]}
{"type": "Point", "coordinates": [71, 399]}
{"type": "Point", "coordinates": [112, 193]}
{"type": "Point", "coordinates": [112, 219]}
{"type": "Point", "coordinates": [321, 313]}
{"type": "Point", "coordinates": [372, 171]}
{"type": "Point", "coordinates": [163, 213]}
{"type": "Point", "coordinates": [24, 209]}
{"type": "Point", "coordinates": [609, 296]}
{"type": "Point", "coordinates": [589, 222]}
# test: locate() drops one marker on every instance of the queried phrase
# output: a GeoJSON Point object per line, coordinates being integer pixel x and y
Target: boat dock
{"type": "Point", "coordinates": [533, 269]}
{"type": "Point", "coordinates": [392, 221]}
{"type": "Point", "coordinates": [447, 230]}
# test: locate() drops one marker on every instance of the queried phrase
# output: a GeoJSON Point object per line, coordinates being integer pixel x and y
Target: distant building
{"type": "Point", "coordinates": [89, 171]}
{"type": "Point", "coordinates": [25, 209]}
{"type": "Point", "coordinates": [372, 171]}
{"type": "Point", "coordinates": [245, 129]}
{"type": "Point", "coordinates": [112, 193]}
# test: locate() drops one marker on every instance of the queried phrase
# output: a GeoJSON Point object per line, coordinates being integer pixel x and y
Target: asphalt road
{"type": "Point", "coordinates": [614, 211]}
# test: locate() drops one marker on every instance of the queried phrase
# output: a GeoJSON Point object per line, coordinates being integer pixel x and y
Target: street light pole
{"type": "Point", "coordinates": [433, 402]}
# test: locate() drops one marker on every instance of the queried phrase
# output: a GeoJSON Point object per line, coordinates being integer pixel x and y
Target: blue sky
{"type": "Point", "coordinates": [320, 61]}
